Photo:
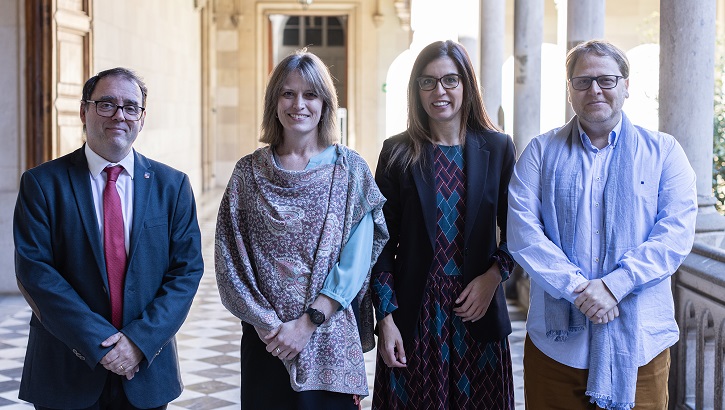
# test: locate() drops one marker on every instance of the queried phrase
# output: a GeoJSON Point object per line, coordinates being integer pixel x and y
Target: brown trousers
{"type": "Point", "coordinates": [550, 385]}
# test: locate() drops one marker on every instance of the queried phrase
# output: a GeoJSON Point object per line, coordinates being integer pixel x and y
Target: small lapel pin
{"type": "Point", "coordinates": [146, 175]}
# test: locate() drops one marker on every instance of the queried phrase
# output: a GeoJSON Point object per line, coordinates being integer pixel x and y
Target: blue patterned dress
{"type": "Point", "coordinates": [446, 368]}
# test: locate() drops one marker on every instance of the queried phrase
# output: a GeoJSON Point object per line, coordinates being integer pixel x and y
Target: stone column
{"type": "Point", "coordinates": [584, 21]}
{"type": "Point", "coordinates": [528, 35]}
{"type": "Point", "coordinates": [687, 78]}
{"type": "Point", "coordinates": [493, 16]}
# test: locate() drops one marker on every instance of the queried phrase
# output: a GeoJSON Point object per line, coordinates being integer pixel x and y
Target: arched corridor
{"type": "Point", "coordinates": [207, 61]}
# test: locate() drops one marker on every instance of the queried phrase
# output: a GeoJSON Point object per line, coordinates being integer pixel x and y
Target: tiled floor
{"type": "Point", "coordinates": [208, 342]}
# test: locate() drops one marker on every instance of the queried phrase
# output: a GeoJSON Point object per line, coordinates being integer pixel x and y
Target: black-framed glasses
{"type": "Point", "coordinates": [108, 109]}
{"type": "Point", "coordinates": [605, 82]}
{"type": "Point", "coordinates": [448, 81]}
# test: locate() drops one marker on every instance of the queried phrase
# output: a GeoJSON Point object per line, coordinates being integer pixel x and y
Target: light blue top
{"type": "Point", "coordinates": [644, 270]}
{"type": "Point", "coordinates": [346, 278]}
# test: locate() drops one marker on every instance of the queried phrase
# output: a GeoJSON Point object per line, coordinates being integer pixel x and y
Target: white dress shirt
{"type": "Point", "coordinates": [124, 185]}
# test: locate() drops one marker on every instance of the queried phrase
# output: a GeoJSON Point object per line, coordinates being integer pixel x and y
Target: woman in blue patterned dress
{"type": "Point", "coordinates": [442, 317]}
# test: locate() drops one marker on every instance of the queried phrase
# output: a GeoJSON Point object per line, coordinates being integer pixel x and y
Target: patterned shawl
{"type": "Point", "coordinates": [278, 235]}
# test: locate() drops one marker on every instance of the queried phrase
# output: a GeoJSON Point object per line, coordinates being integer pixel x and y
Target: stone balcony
{"type": "Point", "coordinates": [698, 366]}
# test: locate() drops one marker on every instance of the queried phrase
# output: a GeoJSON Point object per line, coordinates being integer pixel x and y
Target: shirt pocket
{"type": "Point", "coordinates": [646, 190]}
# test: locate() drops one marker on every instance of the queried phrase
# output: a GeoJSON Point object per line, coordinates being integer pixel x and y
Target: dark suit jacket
{"type": "Point", "coordinates": [410, 212]}
{"type": "Point", "coordinates": [59, 264]}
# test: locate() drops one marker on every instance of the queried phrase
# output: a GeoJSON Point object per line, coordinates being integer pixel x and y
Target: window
{"type": "Point", "coordinates": [291, 34]}
{"type": "Point", "coordinates": [335, 34]}
{"type": "Point", "coordinates": [323, 31]}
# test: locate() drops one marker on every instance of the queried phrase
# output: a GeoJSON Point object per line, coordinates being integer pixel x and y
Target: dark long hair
{"type": "Point", "coordinates": [473, 113]}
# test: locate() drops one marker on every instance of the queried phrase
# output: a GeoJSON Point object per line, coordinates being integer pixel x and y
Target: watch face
{"type": "Point", "coordinates": [316, 316]}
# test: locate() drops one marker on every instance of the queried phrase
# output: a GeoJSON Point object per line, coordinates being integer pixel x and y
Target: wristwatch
{"type": "Point", "coordinates": [316, 316]}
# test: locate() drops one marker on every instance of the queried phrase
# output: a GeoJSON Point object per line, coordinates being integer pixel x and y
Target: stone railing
{"type": "Point", "coordinates": [697, 374]}
{"type": "Point", "coordinates": [698, 360]}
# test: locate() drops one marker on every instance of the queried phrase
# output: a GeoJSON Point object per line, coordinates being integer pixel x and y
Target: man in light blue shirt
{"type": "Point", "coordinates": [602, 213]}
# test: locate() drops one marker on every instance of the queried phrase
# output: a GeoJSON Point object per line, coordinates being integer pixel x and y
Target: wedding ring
{"type": "Point", "coordinates": [122, 368]}
{"type": "Point", "coordinates": [277, 350]}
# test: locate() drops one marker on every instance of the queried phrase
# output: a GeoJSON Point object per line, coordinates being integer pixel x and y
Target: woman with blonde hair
{"type": "Point", "coordinates": [298, 230]}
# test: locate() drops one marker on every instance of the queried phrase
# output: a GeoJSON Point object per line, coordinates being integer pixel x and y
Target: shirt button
{"type": "Point", "coordinates": [597, 231]}
{"type": "Point", "coordinates": [596, 204]}
{"type": "Point", "coordinates": [596, 259]}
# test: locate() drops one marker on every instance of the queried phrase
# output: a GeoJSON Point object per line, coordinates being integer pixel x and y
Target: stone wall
{"type": "Point", "coordinates": [161, 40]}
{"type": "Point", "coordinates": [12, 123]}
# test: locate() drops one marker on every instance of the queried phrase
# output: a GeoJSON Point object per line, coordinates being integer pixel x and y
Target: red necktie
{"type": "Point", "coordinates": [114, 244]}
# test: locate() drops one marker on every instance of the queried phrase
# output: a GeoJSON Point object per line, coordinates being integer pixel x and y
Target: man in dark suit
{"type": "Point", "coordinates": [108, 295]}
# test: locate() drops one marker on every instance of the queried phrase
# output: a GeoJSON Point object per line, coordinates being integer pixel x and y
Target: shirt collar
{"type": "Point", "coordinates": [613, 135]}
{"type": "Point", "coordinates": [96, 163]}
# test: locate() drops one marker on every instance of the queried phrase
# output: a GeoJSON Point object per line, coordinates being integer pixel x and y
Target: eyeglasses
{"type": "Point", "coordinates": [109, 109]}
{"type": "Point", "coordinates": [605, 82]}
{"type": "Point", "coordinates": [448, 81]}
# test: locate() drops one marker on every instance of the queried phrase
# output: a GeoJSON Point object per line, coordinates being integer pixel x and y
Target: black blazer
{"type": "Point", "coordinates": [410, 213]}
